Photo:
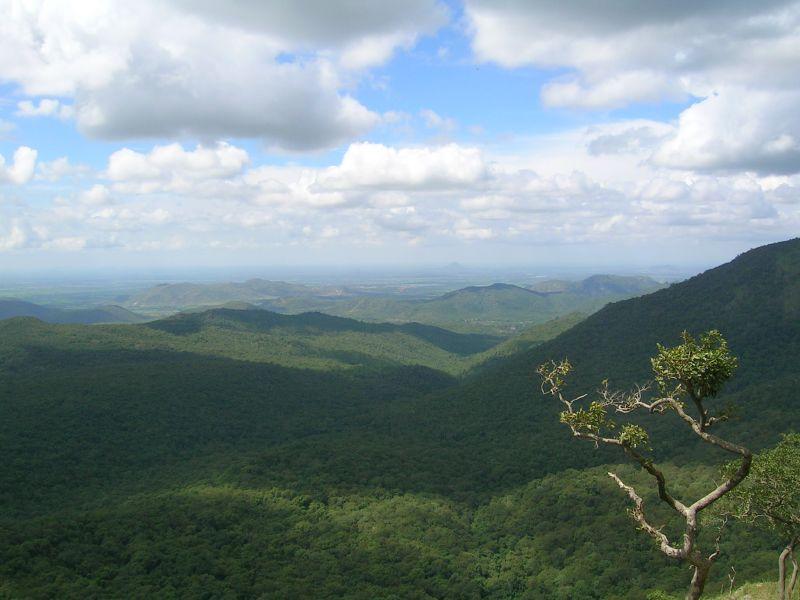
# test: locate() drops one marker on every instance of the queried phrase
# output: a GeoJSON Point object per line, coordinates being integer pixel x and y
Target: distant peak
{"type": "Point", "coordinates": [494, 287]}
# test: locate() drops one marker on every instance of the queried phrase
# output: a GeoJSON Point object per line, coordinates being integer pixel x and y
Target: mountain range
{"type": "Point", "coordinates": [497, 309]}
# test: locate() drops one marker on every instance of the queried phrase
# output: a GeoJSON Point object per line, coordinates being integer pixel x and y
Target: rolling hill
{"type": "Point", "coordinates": [753, 300]}
{"type": "Point", "coordinates": [10, 308]}
{"type": "Point", "coordinates": [179, 296]}
{"type": "Point", "coordinates": [249, 454]}
{"type": "Point", "coordinates": [598, 285]}
{"type": "Point", "coordinates": [498, 309]}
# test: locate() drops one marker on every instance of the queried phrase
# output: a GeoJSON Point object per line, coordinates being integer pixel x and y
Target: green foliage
{"type": "Point", "coordinates": [659, 595]}
{"type": "Point", "coordinates": [633, 436]}
{"type": "Point", "coordinates": [770, 496]}
{"type": "Point", "coordinates": [700, 368]}
{"type": "Point", "coordinates": [592, 420]}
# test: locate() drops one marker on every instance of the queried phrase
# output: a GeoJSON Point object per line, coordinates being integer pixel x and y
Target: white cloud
{"type": "Point", "coordinates": [22, 169]}
{"type": "Point", "coordinates": [433, 197]}
{"type": "Point", "coordinates": [60, 168]}
{"type": "Point", "coordinates": [325, 23]}
{"type": "Point", "coordinates": [379, 166]}
{"type": "Point", "coordinates": [97, 195]}
{"type": "Point", "coordinates": [155, 69]}
{"type": "Point", "coordinates": [691, 43]}
{"type": "Point", "coordinates": [171, 167]}
{"type": "Point", "coordinates": [612, 92]}
{"type": "Point", "coordinates": [466, 230]}
{"type": "Point", "coordinates": [13, 237]}
{"type": "Point", "coordinates": [402, 219]}
{"type": "Point", "coordinates": [737, 130]}
{"type": "Point", "coordinates": [47, 107]}
{"type": "Point", "coordinates": [740, 58]}
{"type": "Point", "coordinates": [631, 137]}
{"type": "Point", "coordinates": [433, 120]}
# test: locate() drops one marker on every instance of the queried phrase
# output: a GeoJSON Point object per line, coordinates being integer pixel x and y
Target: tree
{"type": "Point", "coordinates": [770, 498]}
{"type": "Point", "coordinates": [691, 373]}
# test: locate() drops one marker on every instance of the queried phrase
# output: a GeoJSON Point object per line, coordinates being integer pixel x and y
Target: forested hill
{"type": "Point", "coordinates": [500, 308]}
{"type": "Point", "coordinates": [753, 300]}
{"type": "Point", "coordinates": [319, 324]}
{"type": "Point", "coordinates": [11, 307]}
{"type": "Point", "coordinates": [181, 295]}
{"type": "Point", "coordinates": [599, 285]}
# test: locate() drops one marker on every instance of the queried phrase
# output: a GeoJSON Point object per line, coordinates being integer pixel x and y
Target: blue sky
{"type": "Point", "coordinates": [346, 132]}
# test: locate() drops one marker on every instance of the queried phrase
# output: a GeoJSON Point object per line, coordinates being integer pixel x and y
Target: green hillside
{"type": "Point", "coordinates": [308, 341]}
{"type": "Point", "coordinates": [10, 308]}
{"type": "Point", "coordinates": [177, 296]}
{"type": "Point", "coordinates": [499, 309]}
{"type": "Point", "coordinates": [247, 454]}
{"type": "Point", "coordinates": [752, 300]}
{"type": "Point", "coordinates": [598, 285]}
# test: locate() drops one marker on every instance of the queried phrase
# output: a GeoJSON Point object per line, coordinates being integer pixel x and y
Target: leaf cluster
{"type": "Point", "coordinates": [698, 367]}
{"type": "Point", "coordinates": [770, 496]}
{"type": "Point", "coordinates": [592, 420]}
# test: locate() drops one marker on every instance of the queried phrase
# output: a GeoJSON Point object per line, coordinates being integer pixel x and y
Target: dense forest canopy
{"type": "Point", "coordinates": [242, 453]}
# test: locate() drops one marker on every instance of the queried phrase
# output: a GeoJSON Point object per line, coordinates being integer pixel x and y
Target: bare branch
{"type": "Point", "coordinates": [638, 514]}
{"type": "Point", "coordinates": [661, 482]}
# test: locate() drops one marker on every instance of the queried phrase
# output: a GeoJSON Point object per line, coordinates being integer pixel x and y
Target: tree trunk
{"type": "Point", "coordinates": [698, 582]}
{"type": "Point", "coordinates": [793, 580]}
{"type": "Point", "coordinates": [782, 572]}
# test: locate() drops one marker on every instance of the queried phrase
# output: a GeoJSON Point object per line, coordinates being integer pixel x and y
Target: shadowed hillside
{"type": "Point", "coordinates": [10, 308]}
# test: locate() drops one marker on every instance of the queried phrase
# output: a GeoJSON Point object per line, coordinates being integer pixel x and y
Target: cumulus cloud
{"type": "Point", "coordinates": [322, 23]}
{"type": "Point", "coordinates": [700, 41]}
{"type": "Point", "coordinates": [385, 167]}
{"type": "Point", "coordinates": [274, 71]}
{"type": "Point", "coordinates": [740, 61]}
{"type": "Point", "coordinates": [737, 130]}
{"type": "Point", "coordinates": [172, 197]}
{"type": "Point", "coordinates": [47, 107]}
{"type": "Point", "coordinates": [97, 195]}
{"type": "Point", "coordinates": [21, 169]}
{"type": "Point", "coordinates": [60, 168]}
{"type": "Point", "coordinates": [360, 34]}
{"type": "Point", "coordinates": [171, 167]}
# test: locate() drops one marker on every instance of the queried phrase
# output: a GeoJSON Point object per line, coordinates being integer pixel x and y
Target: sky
{"type": "Point", "coordinates": [192, 133]}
